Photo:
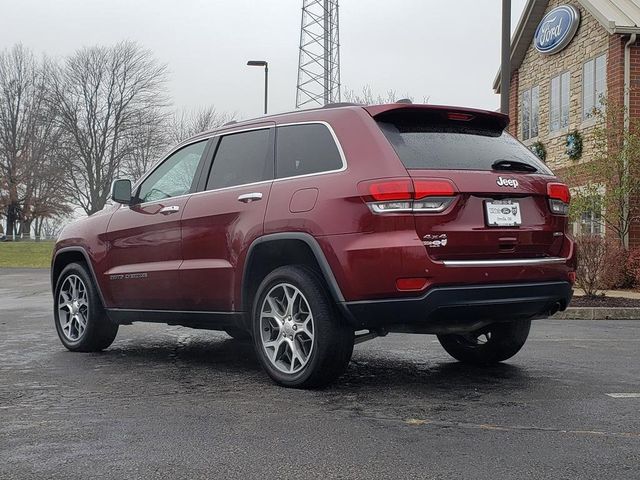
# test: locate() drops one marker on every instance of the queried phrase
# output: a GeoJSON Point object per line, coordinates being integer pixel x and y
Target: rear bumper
{"type": "Point", "coordinates": [461, 308]}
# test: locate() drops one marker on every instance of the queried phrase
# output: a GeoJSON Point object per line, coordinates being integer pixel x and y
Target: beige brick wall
{"type": "Point", "coordinates": [590, 40]}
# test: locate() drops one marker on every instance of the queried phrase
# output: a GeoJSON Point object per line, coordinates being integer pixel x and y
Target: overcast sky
{"type": "Point", "coordinates": [446, 50]}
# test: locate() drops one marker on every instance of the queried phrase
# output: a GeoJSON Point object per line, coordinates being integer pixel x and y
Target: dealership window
{"type": "Point", "coordinates": [559, 111]}
{"type": "Point", "coordinates": [594, 84]}
{"type": "Point", "coordinates": [530, 110]}
{"type": "Point", "coordinates": [590, 221]}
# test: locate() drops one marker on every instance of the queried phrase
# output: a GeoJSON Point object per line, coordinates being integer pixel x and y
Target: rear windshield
{"type": "Point", "coordinates": [427, 141]}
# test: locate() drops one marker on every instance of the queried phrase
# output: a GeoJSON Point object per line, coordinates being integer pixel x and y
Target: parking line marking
{"type": "Point", "coordinates": [624, 395]}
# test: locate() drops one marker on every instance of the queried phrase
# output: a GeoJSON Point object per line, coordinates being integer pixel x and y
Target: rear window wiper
{"type": "Point", "coordinates": [513, 165]}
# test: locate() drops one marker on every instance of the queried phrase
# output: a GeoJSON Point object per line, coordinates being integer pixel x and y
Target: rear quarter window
{"type": "Point", "coordinates": [429, 141]}
{"type": "Point", "coordinates": [304, 149]}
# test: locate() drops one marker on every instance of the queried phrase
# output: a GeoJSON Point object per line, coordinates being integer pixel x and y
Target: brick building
{"type": "Point", "coordinates": [566, 57]}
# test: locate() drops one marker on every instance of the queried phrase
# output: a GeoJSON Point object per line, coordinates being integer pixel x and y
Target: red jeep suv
{"type": "Point", "coordinates": [314, 230]}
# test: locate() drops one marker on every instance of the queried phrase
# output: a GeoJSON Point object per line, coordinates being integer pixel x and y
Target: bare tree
{"type": "Point", "coordinates": [43, 179]}
{"type": "Point", "coordinates": [100, 94]}
{"type": "Point", "coordinates": [49, 227]}
{"type": "Point", "coordinates": [31, 180]}
{"type": "Point", "coordinates": [19, 95]}
{"type": "Point", "coordinates": [187, 123]}
{"type": "Point", "coordinates": [612, 172]}
{"type": "Point", "coordinates": [146, 143]}
{"type": "Point", "coordinates": [367, 97]}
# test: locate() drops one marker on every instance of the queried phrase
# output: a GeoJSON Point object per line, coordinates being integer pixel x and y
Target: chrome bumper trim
{"type": "Point", "coordinates": [516, 262]}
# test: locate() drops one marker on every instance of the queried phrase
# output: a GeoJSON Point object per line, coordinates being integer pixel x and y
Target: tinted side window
{"type": "Point", "coordinates": [303, 149]}
{"type": "Point", "coordinates": [242, 158]}
{"type": "Point", "coordinates": [174, 176]}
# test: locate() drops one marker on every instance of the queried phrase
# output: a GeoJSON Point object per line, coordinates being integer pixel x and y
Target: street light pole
{"type": "Point", "coordinates": [262, 63]}
{"type": "Point", "coordinates": [505, 67]}
{"type": "Point", "coordinates": [266, 85]}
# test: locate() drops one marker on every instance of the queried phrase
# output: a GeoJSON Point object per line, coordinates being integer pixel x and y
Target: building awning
{"type": "Point", "coordinates": [616, 16]}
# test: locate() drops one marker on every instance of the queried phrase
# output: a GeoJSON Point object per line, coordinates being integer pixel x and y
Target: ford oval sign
{"type": "Point", "coordinates": [556, 29]}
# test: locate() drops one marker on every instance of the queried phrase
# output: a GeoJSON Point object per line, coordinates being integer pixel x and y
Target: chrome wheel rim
{"type": "Point", "coordinates": [73, 308]}
{"type": "Point", "coordinates": [286, 328]}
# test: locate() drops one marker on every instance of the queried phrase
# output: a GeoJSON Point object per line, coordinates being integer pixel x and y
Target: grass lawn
{"type": "Point", "coordinates": [26, 254]}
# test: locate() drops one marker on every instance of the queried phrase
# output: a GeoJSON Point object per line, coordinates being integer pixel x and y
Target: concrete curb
{"type": "Point", "coordinates": [599, 313]}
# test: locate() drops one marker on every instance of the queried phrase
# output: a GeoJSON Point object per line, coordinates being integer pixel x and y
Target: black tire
{"type": "Point", "coordinates": [332, 344]}
{"type": "Point", "coordinates": [238, 334]}
{"type": "Point", "coordinates": [502, 341]}
{"type": "Point", "coordinates": [100, 331]}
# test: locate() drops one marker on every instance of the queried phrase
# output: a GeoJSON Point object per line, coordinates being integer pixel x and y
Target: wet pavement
{"type": "Point", "coordinates": [172, 402]}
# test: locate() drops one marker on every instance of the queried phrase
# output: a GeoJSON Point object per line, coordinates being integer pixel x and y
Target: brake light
{"type": "Point", "coordinates": [559, 198]}
{"type": "Point", "coordinates": [391, 190]}
{"type": "Point", "coordinates": [461, 117]}
{"type": "Point", "coordinates": [559, 191]}
{"type": "Point", "coordinates": [433, 188]}
{"type": "Point", "coordinates": [405, 195]}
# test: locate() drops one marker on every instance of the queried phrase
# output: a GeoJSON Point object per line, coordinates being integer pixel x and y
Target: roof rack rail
{"type": "Point", "coordinates": [230, 123]}
{"type": "Point", "coordinates": [342, 104]}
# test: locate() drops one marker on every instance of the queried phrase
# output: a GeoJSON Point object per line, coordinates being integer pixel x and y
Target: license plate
{"type": "Point", "coordinates": [503, 213]}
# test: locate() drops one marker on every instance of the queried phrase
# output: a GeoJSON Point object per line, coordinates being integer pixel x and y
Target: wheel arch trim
{"type": "Point", "coordinates": [316, 250]}
{"type": "Point", "coordinates": [87, 260]}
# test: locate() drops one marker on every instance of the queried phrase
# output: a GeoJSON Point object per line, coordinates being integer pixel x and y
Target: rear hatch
{"type": "Point", "coordinates": [498, 206]}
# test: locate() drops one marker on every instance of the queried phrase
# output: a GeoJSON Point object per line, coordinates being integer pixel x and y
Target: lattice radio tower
{"type": "Point", "coordinates": [319, 57]}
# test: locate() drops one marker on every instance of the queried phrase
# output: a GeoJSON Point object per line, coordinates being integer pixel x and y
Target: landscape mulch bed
{"type": "Point", "coordinates": [605, 302]}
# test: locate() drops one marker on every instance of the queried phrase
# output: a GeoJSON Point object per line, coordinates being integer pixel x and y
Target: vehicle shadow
{"type": "Point", "coordinates": [218, 355]}
{"type": "Point", "coordinates": [435, 374]}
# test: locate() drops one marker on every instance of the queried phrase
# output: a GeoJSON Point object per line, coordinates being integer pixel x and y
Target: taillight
{"type": "Point", "coordinates": [432, 195]}
{"type": "Point", "coordinates": [559, 198]}
{"type": "Point", "coordinates": [390, 196]}
{"type": "Point", "coordinates": [405, 195]}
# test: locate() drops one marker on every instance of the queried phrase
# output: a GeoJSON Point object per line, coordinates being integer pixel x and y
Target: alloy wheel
{"type": "Point", "coordinates": [73, 308]}
{"type": "Point", "coordinates": [287, 329]}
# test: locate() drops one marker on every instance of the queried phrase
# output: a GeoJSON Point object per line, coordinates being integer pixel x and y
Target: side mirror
{"type": "Point", "coordinates": [121, 191]}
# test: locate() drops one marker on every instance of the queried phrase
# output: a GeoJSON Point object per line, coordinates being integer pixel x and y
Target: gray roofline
{"type": "Point", "coordinates": [535, 8]}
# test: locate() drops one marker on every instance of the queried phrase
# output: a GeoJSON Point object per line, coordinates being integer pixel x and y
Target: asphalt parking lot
{"type": "Point", "coordinates": [171, 402]}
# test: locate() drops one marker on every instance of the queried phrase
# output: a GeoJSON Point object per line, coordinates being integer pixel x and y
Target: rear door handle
{"type": "Point", "coordinates": [250, 197]}
{"type": "Point", "coordinates": [170, 209]}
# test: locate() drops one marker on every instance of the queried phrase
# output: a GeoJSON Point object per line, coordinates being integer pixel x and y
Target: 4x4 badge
{"type": "Point", "coordinates": [507, 182]}
{"type": "Point", "coordinates": [435, 241]}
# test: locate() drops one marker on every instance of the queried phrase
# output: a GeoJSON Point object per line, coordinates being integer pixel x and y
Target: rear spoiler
{"type": "Point", "coordinates": [486, 118]}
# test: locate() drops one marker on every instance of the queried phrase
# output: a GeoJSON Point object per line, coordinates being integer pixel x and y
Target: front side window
{"type": "Point", "coordinates": [242, 158]}
{"type": "Point", "coordinates": [559, 111]}
{"type": "Point", "coordinates": [530, 110]}
{"type": "Point", "coordinates": [175, 176]}
{"type": "Point", "coordinates": [594, 85]}
{"type": "Point", "coordinates": [305, 149]}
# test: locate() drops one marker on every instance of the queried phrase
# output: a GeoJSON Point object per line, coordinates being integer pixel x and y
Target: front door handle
{"type": "Point", "coordinates": [250, 197]}
{"type": "Point", "coordinates": [170, 209]}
